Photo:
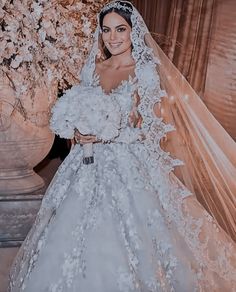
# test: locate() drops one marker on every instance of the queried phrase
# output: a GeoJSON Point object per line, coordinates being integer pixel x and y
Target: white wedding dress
{"type": "Point", "coordinates": [124, 223]}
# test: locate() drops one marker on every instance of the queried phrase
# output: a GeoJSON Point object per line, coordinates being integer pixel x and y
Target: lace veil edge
{"type": "Point", "coordinates": [207, 150]}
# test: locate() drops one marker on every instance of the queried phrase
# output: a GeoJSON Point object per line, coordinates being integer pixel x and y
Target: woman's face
{"type": "Point", "coordinates": [116, 34]}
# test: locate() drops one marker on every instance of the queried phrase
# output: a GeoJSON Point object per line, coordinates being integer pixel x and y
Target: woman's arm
{"type": "Point", "coordinates": [135, 118]}
{"type": "Point", "coordinates": [84, 139]}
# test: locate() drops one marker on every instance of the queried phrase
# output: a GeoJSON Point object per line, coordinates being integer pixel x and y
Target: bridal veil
{"type": "Point", "coordinates": [206, 149]}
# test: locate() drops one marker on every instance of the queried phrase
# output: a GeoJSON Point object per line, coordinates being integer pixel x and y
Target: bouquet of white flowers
{"type": "Point", "coordinates": [89, 110]}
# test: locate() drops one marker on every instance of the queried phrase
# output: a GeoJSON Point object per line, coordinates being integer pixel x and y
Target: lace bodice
{"type": "Point", "coordinates": [123, 95]}
{"type": "Point", "coordinates": [146, 84]}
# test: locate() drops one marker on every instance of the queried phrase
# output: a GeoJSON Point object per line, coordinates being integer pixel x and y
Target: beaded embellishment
{"type": "Point", "coordinates": [118, 5]}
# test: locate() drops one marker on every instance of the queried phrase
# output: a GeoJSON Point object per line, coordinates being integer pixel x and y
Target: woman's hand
{"type": "Point", "coordinates": [84, 139]}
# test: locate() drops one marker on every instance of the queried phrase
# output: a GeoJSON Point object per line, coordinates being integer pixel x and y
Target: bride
{"type": "Point", "coordinates": [121, 220]}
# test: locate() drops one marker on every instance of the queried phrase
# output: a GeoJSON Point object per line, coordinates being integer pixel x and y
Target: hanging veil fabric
{"type": "Point", "coordinates": [207, 150]}
{"type": "Point", "coordinates": [127, 223]}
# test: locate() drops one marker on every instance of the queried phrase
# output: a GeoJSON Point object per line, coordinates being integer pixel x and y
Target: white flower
{"type": "Point", "coordinates": [37, 35]}
{"type": "Point", "coordinates": [42, 34]}
{"type": "Point", "coordinates": [89, 110]}
{"type": "Point", "coordinates": [16, 62]}
{"type": "Point", "coordinates": [38, 10]}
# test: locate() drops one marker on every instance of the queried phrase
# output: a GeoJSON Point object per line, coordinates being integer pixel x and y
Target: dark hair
{"type": "Point", "coordinates": [125, 13]}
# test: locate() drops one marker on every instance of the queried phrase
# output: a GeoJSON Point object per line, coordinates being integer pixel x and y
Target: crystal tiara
{"type": "Point", "coordinates": [118, 6]}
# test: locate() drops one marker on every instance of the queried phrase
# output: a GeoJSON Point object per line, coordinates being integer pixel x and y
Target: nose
{"type": "Point", "coordinates": [113, 35]}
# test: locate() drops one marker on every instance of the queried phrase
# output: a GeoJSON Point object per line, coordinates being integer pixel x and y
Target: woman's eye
{"type": "Point", "coordinates": [105, 30]}
{"type": "Point", "coordinates": [121, 29]}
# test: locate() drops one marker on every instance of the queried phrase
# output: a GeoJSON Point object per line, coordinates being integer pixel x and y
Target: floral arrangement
{"type": "Point", "coordinates": [89, 110]}
{"type": "Point", "coordinates": [45, 41]}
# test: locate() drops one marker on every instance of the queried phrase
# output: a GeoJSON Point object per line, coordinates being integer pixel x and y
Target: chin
{"type": "Point", "coordinates": [116, 51]}
{"type": "Point", "coordinates": [119, 51]}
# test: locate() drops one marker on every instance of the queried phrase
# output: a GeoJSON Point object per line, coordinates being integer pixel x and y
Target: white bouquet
{"type": "Point", "coordinates": [89, 110]}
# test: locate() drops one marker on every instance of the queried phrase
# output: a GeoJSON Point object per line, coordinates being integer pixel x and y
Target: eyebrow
{"type": "Point", "coordinates": [120, 25]}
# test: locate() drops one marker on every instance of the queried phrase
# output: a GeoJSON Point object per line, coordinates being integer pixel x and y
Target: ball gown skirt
{"type": "Point", "coordinates": [123, 224]}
